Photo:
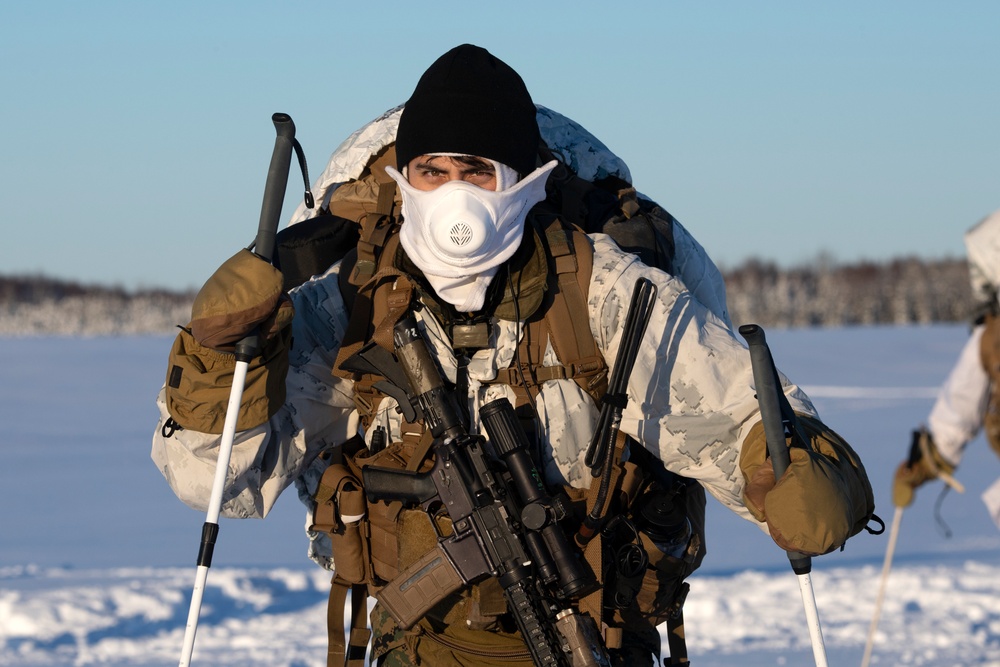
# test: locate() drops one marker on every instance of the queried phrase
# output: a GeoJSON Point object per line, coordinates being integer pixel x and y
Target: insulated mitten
{"type": "Point", "coordinates": [245, 294]}
{"type": "Point", "coordinates": [925, 463]}
{"type": "Point", "coordinates": [823, 498]}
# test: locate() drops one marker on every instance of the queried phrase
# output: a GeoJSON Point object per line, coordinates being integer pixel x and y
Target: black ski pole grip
{"type": "Point", "coordinates": [270, 211]}
{"type": "Point", "coordinates": [765, 379]}
{"type": "Point", "coordinates": [274, 188]}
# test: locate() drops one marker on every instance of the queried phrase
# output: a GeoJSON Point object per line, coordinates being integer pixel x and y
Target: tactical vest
{"type": "Point", "coordinates": [373, 542]}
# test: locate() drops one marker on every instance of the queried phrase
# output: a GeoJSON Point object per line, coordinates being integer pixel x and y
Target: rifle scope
{"type": "Point", "coordinates": [552, 553]}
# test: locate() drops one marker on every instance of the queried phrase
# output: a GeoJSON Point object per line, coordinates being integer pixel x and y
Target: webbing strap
{"type": "Point", "coordinates": [398, 302]}
{"type": "Point", "coordinates": [386, 197]}
{"type": "Point", "coordinates": [423, 448]}
{"type": "Point", "coordinates": [568, 295]}
{"type": "Point", "coordinates": [360, 634]}
{"type": "Point", "coordinates": [375, 229]}
{"type": "Point", "coordinates": [368, 307]}
{"type": "Point", "coordinates": [540, 374]}
{"type": "Point", "coordinates": [568, 317]}
{"type": "Point", "coordinates": [593, 603]}
{"type": "Point", "coordinates": [565, 324]}
{"type": "Point", "coordinates": [350, 653]}
{"type": "Point", "coordinates": [591, 540]}
{"type": "Point", "coordinates": [676, 643]}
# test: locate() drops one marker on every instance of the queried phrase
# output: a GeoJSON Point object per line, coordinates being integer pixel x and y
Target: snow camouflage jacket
{"type": "Point", "coordinates": [969, 400]}
{"type": "Point", "coordinates": [692, 399]}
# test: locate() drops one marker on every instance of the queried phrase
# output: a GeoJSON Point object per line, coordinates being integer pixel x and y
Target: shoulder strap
{"type": "Point", "coordinates": [370, 302]}
{"type": "Point", "coordinates": [375, 230]}
{"type": "Point", "coordinates": [567, 320]}
{"type": "Point", "coordinates": [563, 320]}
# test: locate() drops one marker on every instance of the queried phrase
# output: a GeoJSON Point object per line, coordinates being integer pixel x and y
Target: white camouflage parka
{"type": "Point", "coordinates": [691, 396]}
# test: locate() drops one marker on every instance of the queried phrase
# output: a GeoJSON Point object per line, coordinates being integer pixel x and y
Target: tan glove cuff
{"type": "Point", "coordinates": [823, 498]}
{"type": "Point", "coordinates": [200, 379]}
{"type": "Point", "coordinates": [931, 460]}
{"type": "Point", "coordinates": [929, 466]}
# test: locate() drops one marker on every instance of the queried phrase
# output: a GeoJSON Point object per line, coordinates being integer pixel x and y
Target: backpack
{"type": "Point", "coordinates": [989, 352]}
{"type": "Point", "coordinates": [643, 582]}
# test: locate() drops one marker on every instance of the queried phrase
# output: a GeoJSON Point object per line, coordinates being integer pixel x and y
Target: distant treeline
{"type": "Point", "coordinates": [822, 294]}
{"type": "Point", "coordinates": [37, 305]}
{"type": "Point", "coordinates": [901, 291]}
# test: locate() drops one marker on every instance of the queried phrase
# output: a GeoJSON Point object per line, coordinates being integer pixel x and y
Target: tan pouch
{"type": "Point", "coordinates": [363, 534]}
{"type": "Point", "coordinates": [341, 513]}
{"type": "Point", "coordinates": [200, 379]}
{"type": "Point", "coordinates": [384, 517]}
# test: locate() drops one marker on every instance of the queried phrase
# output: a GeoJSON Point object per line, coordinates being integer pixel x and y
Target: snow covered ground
{"type": "Point", "coordinates": [97, 556]}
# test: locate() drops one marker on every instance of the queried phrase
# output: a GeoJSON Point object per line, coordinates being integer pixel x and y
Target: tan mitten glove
{"type": "Point", "coordinates": [927, 466]}
{"type": "Point", "coordinates": [823, 498]}
{"type": "Point", "coordinates": [243, 294]}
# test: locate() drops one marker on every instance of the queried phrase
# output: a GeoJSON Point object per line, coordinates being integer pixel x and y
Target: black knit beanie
{"type": "Point", "coordinates": [470, 102]}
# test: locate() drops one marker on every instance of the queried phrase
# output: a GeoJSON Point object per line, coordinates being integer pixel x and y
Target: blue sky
{"type": "Point", "coordinates": [136, 135]}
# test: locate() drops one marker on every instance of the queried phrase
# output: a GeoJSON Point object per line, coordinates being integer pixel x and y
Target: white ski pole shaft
{"type": "Point", "coordinates": [246, 350]}
{"type": "Point", "coordinates": [812, 619]}
{"type": "Point", "coordinates": [211, 528]}
{"type": "Point", "coordinates": [890, 549]}
{"type": "Point", "coordinates": [776, 421]}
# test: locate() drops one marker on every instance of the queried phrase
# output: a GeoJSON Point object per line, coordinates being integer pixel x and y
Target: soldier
{"type": "Point", "coordinates": [969, 399]}
{"type": "Point", "coordinates": [515, 303]}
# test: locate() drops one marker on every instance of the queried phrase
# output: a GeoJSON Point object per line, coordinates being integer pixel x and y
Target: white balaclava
{"type": "Point", "coordinates": [468, 102]}
{"type": "Point", "coordinates": [459, 234]}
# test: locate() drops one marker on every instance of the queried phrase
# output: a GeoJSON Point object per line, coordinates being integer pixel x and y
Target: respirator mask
{"type": "Point", "coordinates": [459, 234]}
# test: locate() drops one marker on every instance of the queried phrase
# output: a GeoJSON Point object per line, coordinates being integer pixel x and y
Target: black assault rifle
{"type": "Point", "coordinates": [503, 519]}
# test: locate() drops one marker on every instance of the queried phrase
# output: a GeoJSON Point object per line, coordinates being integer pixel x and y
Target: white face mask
{"type": "Point", "coordinates": [459, 234]}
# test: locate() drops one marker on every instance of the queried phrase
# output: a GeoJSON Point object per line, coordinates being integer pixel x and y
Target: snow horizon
{"type": "Point", "coordinates": [97, 560]}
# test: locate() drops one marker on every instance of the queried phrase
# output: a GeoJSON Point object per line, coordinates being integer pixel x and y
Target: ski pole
{"type": "Point", "coordinates": [779, 421]}
{"type": "Point", "coordinates": [246, 349]}
{"type": "Point", "coordinates": [897, 518]}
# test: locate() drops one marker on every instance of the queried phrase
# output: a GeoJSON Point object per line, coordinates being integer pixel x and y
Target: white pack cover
{"type": "Point", "coordinates": [982, 244]}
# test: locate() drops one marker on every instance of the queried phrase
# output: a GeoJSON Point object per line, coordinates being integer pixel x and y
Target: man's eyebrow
{"type": "Point", "coordinates": [427, 164]}
{"type": "Point", "coordinates": [476, 165]}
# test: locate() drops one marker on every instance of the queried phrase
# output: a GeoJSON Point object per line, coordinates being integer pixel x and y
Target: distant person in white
{"type": "Point", "coordinates": [969, 399]}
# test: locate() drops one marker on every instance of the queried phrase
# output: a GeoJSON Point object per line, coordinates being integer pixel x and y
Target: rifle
{"type": "Point", "coordinates": [504, 523]}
